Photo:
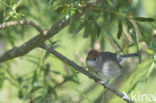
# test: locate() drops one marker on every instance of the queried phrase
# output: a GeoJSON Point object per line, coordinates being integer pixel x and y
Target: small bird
{"type": "Point", "coordinates": [105, 65]}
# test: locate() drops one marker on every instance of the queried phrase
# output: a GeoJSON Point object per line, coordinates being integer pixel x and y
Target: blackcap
{"type": "Point", "coordinates": [105, 65]}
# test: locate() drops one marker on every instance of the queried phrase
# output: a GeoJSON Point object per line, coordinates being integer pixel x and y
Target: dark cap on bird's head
{"type": "Point", "coordinates": [93, 54]}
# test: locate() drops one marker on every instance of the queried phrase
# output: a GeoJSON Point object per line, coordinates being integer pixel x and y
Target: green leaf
{"type": "Point", "coordinates": [52, 90]}
{"type": "Point", "coordinates": [20, 79]}
{"type": "Point", "coordinates": [84, 96]}
{"type": "Point", "coordinates": [142, 19]}
{"type": "Point", "coordinates": [112, 38]}
{"type": "Point", "coordinates": [34, 89]}
{"type": "Point", "coordinates": [93, 39]}
{"type": "Point", "coordinates": [132, 33]}
{"type": "Point", "coordinates": [80, 27]}
{"type": "Point", "coordinates": [119, 29]}
{"type": "Point", "coordinates": [87, 29]}
{"type": "Point", "coordinates": [73, 26]}
{"type": "Point", "coordinates": [2, 77]}
{"type": "Point", "coordinates": [71, 78]}
{"type": "Point", "coordinates": [46, 69]}
{"type": "Point", "coordinates": [1, 15]}
{"type": "Point", "coordinates": [112, 3]}
{"type": "Point", "coordinates": [146, 33]}
{"type": "Point", "coordinates": [51, 2]}
{"type": "Point", "coordinates": [141, 74]}
{"type": "Point", "coordinates": [98, 28]}
{"type": "Point", "coordinates": [20, 94]}
{"type": "Point", "coordinates": [56, 72]}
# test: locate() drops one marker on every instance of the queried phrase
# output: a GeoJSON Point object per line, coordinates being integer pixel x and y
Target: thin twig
{"type": "Point", "coordinates": [82, 70]}
{"type": "Point", "coordinates": [20, 22]}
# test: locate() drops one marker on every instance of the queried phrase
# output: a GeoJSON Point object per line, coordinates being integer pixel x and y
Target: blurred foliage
{"type": "Point", "coordinates": [114, 25]}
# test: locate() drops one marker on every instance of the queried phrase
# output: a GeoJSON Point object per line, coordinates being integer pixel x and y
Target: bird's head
{"type": "Point", "coordinates": [93, 55]}
{"type": "Point", "coordinates": [92, 58]}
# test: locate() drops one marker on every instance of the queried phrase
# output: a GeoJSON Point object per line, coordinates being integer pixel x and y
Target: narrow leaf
{"type": "Point", "coordinates": [119, 29]}
{"type": "Point", "coordinates": [87, 29]}
{"type": "Point", "coordinates": [144, 19]}
{"type": "Point", "coordinates": [98, 29]}
{"type": "Point", "coordinates": [77, 30]}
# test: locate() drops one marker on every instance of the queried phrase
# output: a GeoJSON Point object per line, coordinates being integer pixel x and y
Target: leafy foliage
{"type": "Point", "coordinates": [41, 78]}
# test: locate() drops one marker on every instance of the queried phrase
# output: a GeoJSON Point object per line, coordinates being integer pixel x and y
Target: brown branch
{"type": "Point", "coordinates": [42, 37]}
{"type": "Point", "coordinates": [82, 70]}
{"type": "Point", "coordinates": [20, 22]}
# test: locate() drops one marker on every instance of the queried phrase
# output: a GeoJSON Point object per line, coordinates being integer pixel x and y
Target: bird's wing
{"type": "Point", "coordinates": [110, 70]}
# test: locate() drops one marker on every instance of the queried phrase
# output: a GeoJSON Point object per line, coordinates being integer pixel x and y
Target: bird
{"type": "Point", "coordinates": [106, 65]}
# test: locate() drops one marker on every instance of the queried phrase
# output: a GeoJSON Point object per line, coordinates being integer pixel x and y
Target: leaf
{"type": "Point", "coordinates": [93, 39]}
{"type": "Point", "coordinates": [145, 33]}
{"type": "Point", "coordinates": [98, 28]}
{"type": "Point", "coordinates": [73, 26]}
{"type": "Point", "coordinates": [2, 77]}
{"type": "Point", "coordinates": [35, 77]}
{"type": "Point", "coordinates": [20, 79]}
{"type": "Point", "coordinates": [84, 96]}
{"type": "Point", "coordinates": [46, 55]}
{"type": "Point", "coordinates": [32, 61]}
{"type": "Point", "coordinates": [142, 19]}
{"type": "Point", "coordinates": [34, 89]}
{"type": "Point", "coordinates": [87, 29]}
{"type": "Point", "coordinates": [112, 3]}
{"type": "Point", "coordinates": [56, 72]}
{"type": "Point", "coordinates": [71, 78]}
{"type": "Point", "coordinates": [149, 51]}
{"type": "Point", "coordinates": [62, 9]}
{"type": "Point", "coordinates": [46, 69]}
{"type": "Point", "coordinates": [141, 74]}
{"type": "Point", "coordinates": [80, 27]}
{"type": "Point", "coordinates": [51, 2]}
{"type": "Point", "coordinates": [119, 29]}
{"type": "Point", "coordinates": [108, 18]}
{"type": "Point", "coordinates": [52, 90]}
{"type": "Point", "coordinates": [20, 94]}
{"type": "Point", "coordinates": [112, 38]}
{"type": "Point", "coordinates": [133, 34]}
{"type": "Point", "coordinates": [1, 15]}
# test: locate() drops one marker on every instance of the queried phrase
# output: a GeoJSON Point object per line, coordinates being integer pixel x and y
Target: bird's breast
{"type": "Point", "coordinates": [109, 70]}
{"type": "Point", "coordinates": [91, 64]}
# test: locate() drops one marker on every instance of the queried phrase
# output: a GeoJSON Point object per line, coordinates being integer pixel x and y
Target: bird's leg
{"type": "Point", "coordinates": [106, 83]}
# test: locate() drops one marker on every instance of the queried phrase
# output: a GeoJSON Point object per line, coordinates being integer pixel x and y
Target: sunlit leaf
{"type": "Point", "coordinates": [149, 51]}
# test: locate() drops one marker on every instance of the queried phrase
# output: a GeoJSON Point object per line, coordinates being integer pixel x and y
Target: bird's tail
{"type": "Point", "coordinates": [129, 55]}
{"type": "Point", "coordinates": [125, 57]}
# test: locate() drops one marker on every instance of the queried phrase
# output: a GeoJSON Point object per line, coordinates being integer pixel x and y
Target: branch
{"type": "Point", "coordinates": [20, 22]}
{"type": "Point", "coordinates": [82, 70]}
{"type": "Point", "coordinates": [42, 37]}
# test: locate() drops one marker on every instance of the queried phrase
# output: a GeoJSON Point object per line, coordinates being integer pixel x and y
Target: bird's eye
{"type": "Point", "coordinates": [94, 58]}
